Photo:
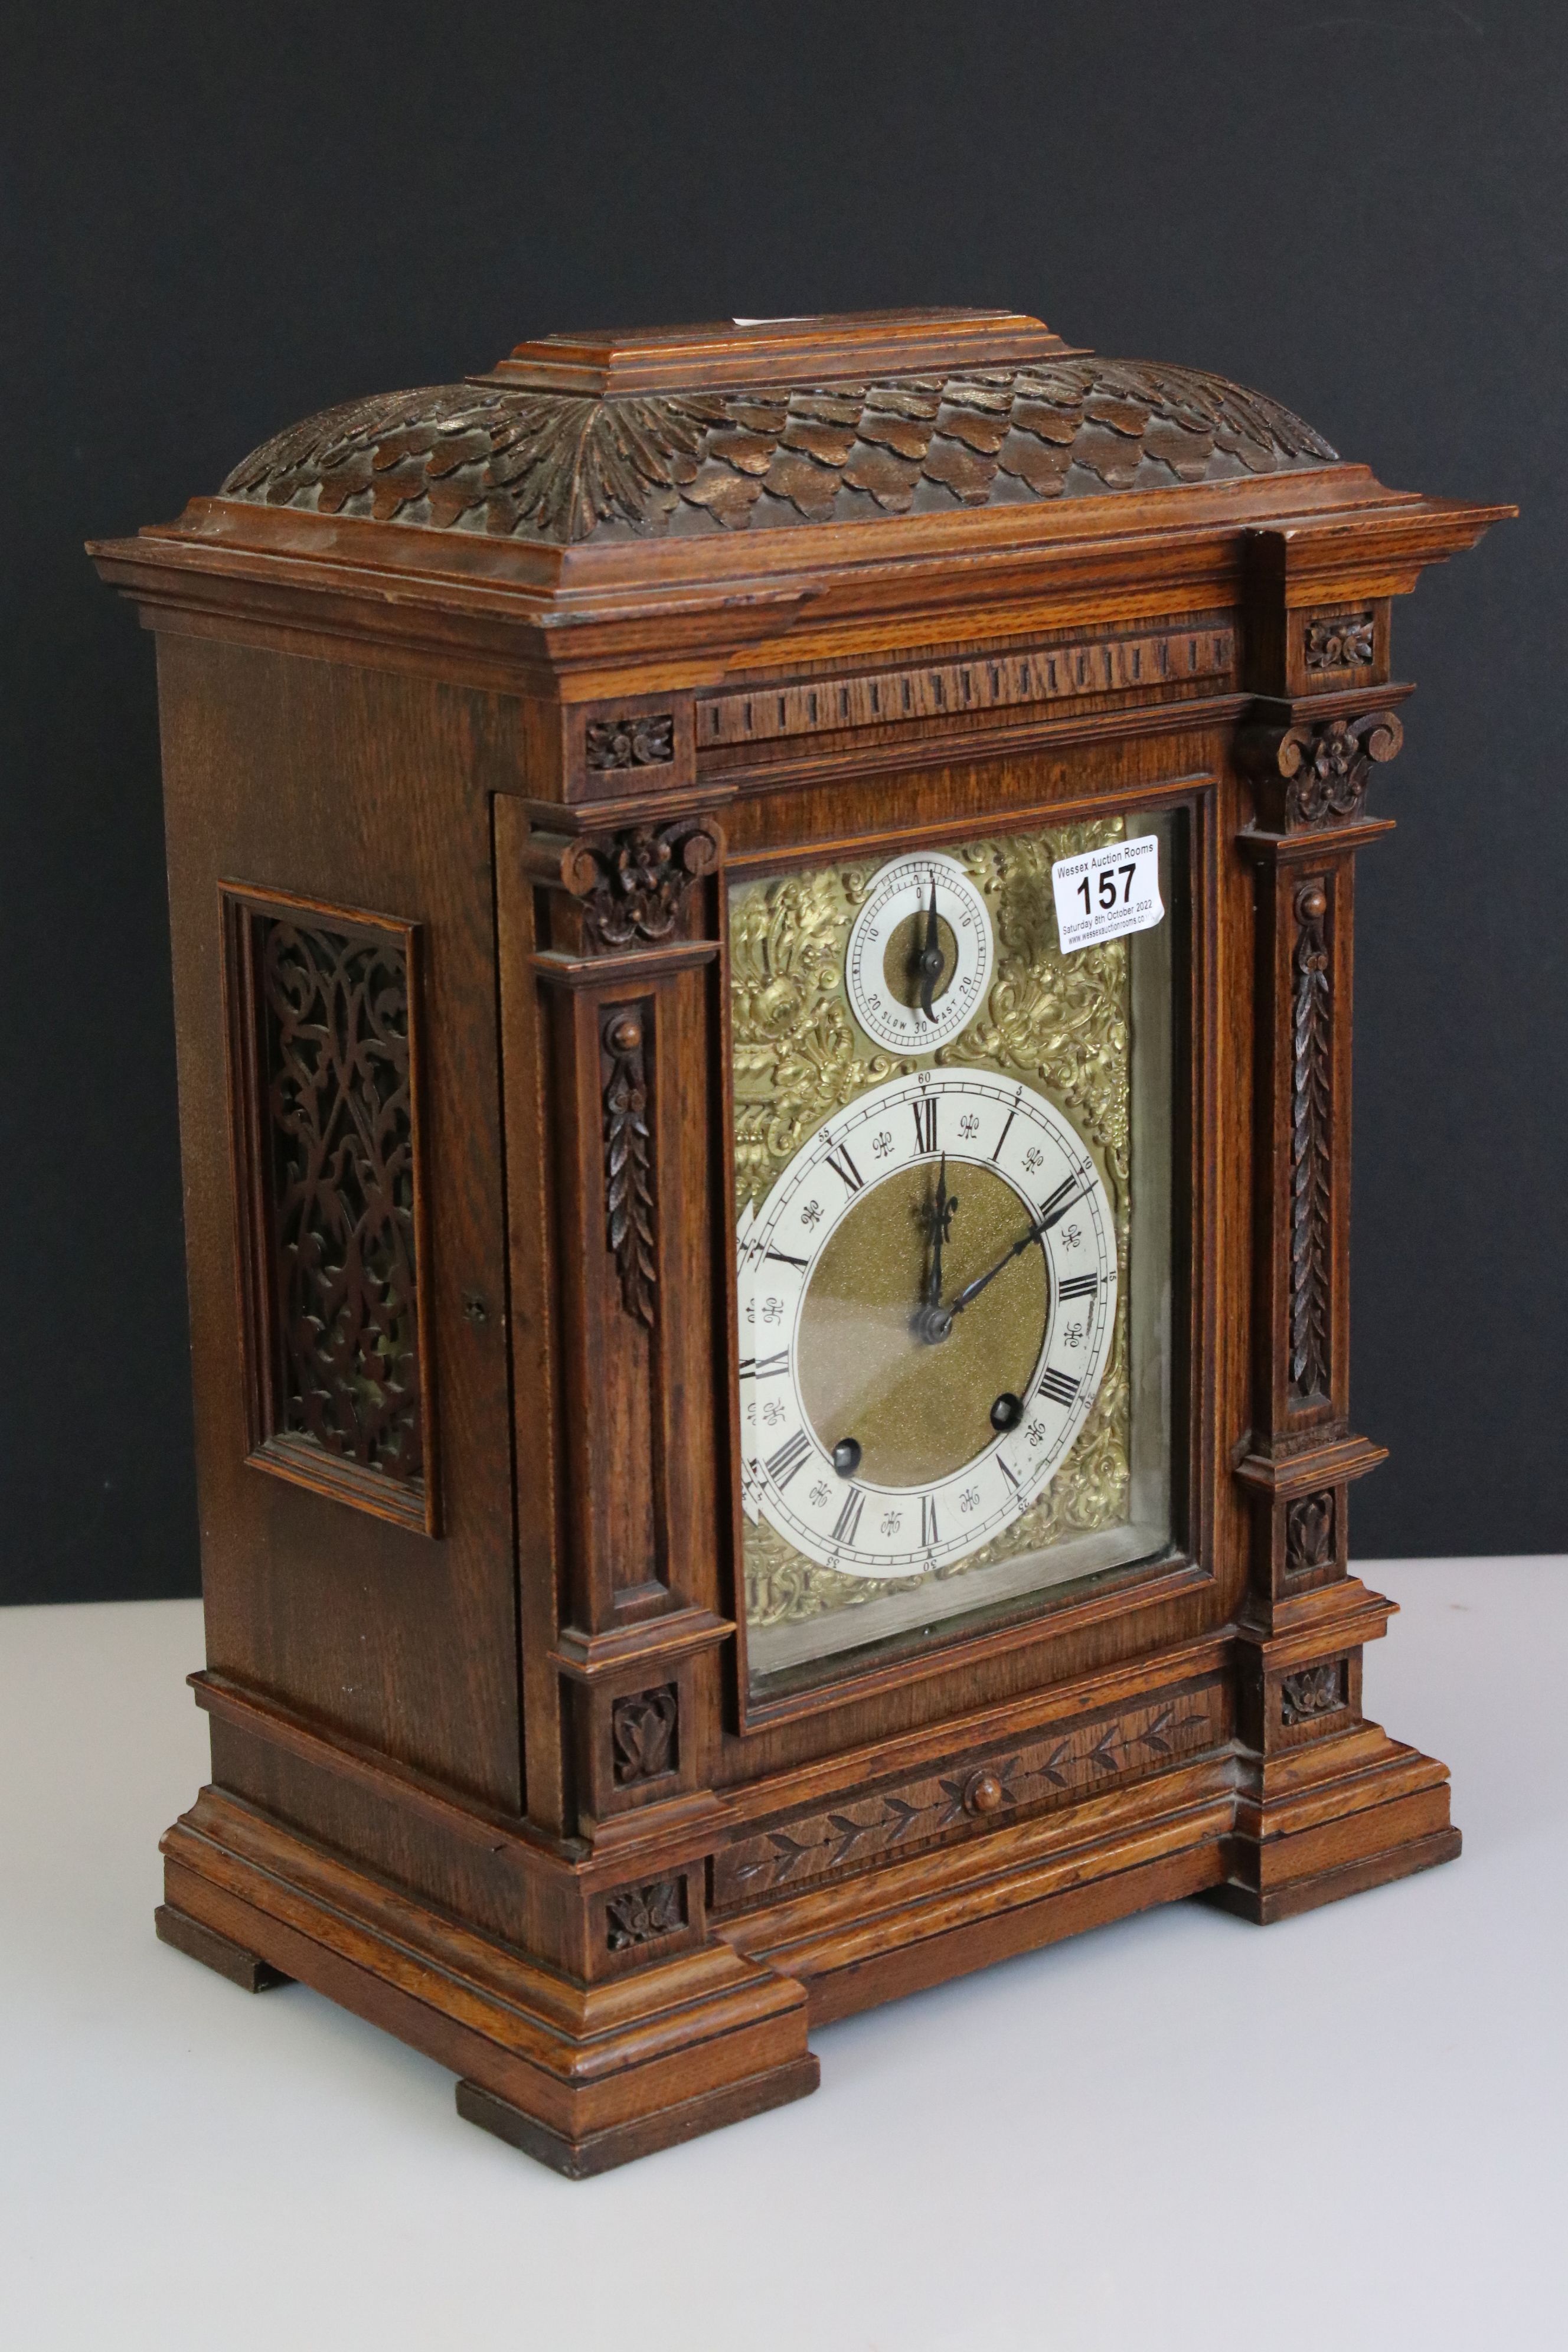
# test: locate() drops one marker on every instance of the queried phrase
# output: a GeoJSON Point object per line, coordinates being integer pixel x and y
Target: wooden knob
{"type": "Point", "coordinates": [625, 1034]}
{"type": "Point", "coordinates": [1313, 903]}
{"type": "Point", "coordinates": [983, 1793]}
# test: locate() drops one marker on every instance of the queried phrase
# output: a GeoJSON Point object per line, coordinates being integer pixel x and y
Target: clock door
{"type": "Point", "coordinates": [952, 1194]}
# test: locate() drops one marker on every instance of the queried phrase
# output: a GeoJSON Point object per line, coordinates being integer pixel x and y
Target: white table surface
{"type": "Point", "coordinates": [1347, 2130]}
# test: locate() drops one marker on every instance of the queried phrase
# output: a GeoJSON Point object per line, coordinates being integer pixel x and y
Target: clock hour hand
{"type": "Point", "coordinates": [942, 1221]}
{"type": "Point", "coordinates": [932, 959]}
{"type": "Point", "coordinates": [943, 1209]}
{"type": "Point", "coordinates": [1041, 1226]}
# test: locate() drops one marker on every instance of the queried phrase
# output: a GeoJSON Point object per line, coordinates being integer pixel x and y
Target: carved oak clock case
{"type": "Point", "coordinates": [770, 1342]}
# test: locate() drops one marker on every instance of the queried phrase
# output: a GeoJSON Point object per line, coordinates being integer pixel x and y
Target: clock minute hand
{"type": "Point", "coordinates": [1042, 1224]}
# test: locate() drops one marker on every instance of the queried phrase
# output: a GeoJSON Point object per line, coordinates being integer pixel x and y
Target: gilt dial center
{"type": "Point", "coordinates": [918, 1409]}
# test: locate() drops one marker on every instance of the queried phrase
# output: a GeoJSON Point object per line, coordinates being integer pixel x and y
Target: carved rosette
{"type": "Point", "coordinates": [1343, 642]}
{"type": "Point", "coordinates": [1311, 1145]}
{"type": "Point", "coordinates": [637, 742]}
{"type": "Point", "coordinates": [1316, 774]}
{"type": "Point", "coordinates": [628, 1159]}
{"type": "Point", "coordinates": [633, 884]}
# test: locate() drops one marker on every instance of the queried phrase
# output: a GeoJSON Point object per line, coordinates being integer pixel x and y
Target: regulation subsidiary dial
{"type": "Point", "coordinates": [920, 955]}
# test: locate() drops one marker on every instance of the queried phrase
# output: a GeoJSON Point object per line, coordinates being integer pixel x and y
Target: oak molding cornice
{"type": "Point", "coordinates": [578, 623]}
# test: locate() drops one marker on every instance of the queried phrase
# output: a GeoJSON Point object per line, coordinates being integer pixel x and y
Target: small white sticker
{"type": "Point", "coordinates": [1108, 892]}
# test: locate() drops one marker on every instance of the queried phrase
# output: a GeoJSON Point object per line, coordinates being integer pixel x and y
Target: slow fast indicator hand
{"type": "Point", "coordinates": [932, 959]}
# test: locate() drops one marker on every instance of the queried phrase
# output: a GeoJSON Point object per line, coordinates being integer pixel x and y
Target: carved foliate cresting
{"type": "Point", "coordinates": [564, 467]}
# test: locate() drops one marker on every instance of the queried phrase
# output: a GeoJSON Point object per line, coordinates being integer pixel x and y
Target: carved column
{"type": "Point", "coordinates": [1301, 1662]}
{"type": "Point", "coordinates": [621, 1622]}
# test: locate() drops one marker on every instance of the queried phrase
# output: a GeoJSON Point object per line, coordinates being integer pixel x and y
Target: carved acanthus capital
{"type": "Point", "coordinates": [632, 883]}
{"type": "Point", "coordinates": [1316, 774]}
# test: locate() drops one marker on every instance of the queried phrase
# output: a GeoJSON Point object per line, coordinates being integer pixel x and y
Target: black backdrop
{"type": "Point", "coordinates": [218, 219]}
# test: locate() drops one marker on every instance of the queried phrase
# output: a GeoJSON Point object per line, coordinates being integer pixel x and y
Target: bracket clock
{"type": "Point", "coordinates": [763, 954]}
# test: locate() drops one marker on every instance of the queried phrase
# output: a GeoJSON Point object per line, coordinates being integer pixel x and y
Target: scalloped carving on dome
{"type": "Point", "coordinates": [565, 468]}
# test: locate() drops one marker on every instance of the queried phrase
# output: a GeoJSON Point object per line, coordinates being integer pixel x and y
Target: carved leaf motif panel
{"type": "Point", "coordinates": [940, 1804]}
{"type": "Point", "coordinates": [1311, 1537]}
{"type": "Point", "coordinates": [643, 1914]}
{"type": "Point", "coordinates": [643, 1729]}
{"type": "Point", "coordinates": [326, 1128]}
{"type": "Point", "coordinates": [1315, 1691]}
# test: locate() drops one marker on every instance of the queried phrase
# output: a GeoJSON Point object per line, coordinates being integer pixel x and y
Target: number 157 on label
{"type": "Point", "coordinates": [1106, 893]}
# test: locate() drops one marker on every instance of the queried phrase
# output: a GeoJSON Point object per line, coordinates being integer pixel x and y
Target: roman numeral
{"type": "Point", "coordinates": [782, 1257]}
{"type": "Point", "coordinates": [782, 1466]}
{"type": "Point", "coordinates": [764, 1367]}
{"type": "Point", "coordinates": [844, 1168]}
{"type": "Point", "coordinates": [928, 1520]}
{"type": "Point", "coordinates": [1060, 1387]}
{"type": "Point", "coordinates": [925, 1122]}
{"type": "Point", "coordinates": [1007, 1473]}
{"type": "Point", "coordinates": [848, 1518]}
{"type": "Point", "coordinates": [1060, 1197]}
{"type": "Point", "coordinates": [1081, 1285]}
